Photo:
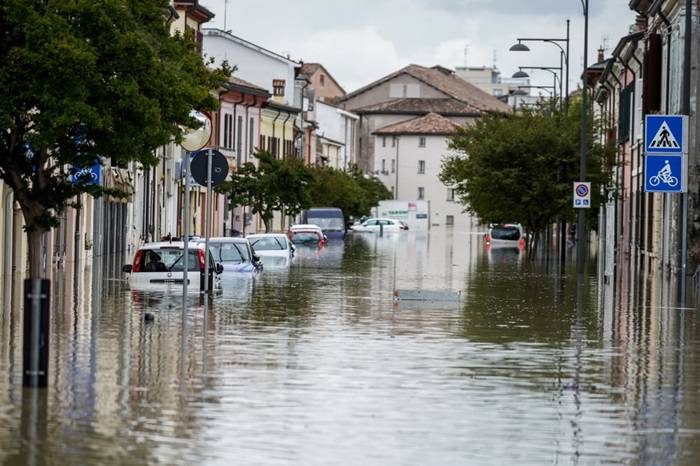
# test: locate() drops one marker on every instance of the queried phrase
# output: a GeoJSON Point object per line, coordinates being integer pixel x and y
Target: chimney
{"type": "Point", "coordinates": [640, 23]}
{"type": "Point", "coordinates": [601, 54]}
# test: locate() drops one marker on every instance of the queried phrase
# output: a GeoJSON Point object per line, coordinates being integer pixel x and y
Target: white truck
{"type": "Point", "coordinates": [416, 214]}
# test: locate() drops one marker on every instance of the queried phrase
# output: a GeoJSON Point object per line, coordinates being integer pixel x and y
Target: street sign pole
{"type": "Point", "coordinates": [666, 170]}
{"type": "Point", "coordinates": [186, 227]}
{"type": "Point", "coordinates": [687, 68]}
{"type": "Point", "coordinates": [193, 140]}
{"type": "Point", "coordinates": [208, 225]}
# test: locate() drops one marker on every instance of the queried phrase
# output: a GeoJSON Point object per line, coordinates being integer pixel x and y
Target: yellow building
{"type": "Point", "coordinates": [279, 137]}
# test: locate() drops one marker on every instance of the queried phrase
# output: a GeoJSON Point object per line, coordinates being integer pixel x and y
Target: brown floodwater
{"type": "Point", "coordinates": [316, 364]}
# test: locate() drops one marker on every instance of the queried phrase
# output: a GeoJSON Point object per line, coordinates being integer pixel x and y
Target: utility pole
{"type": "Point", "coordinates": [581, 227]}
{"type": "Point", "coordinates": [685, 110]}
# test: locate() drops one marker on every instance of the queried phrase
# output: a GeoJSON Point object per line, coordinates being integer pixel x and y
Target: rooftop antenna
{"type": "Point", "coordinates": [495, 59]}
{"type": "Point", "coordinates": [466, 54]}
{"type": "Point", "coordinates": [606, 40]}
{"type": "Point", "coordinates": [225, 13]}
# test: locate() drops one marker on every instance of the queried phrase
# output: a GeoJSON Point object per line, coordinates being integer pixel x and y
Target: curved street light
{"type": "Point", "coordinates": [551, 69]}
{"type": "Point", "coordinates": [520, 47]}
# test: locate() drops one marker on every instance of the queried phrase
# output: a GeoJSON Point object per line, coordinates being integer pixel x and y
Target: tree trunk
{"type": "Point", "coordinates": [36, 269]}
{"type": "Point", "coordinates": [31, 211]}
{"type": "Point", "coordinates": [267, 220]}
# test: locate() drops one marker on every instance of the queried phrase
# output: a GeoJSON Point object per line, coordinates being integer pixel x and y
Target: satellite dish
{"type": "Point", "coordinates": [195, 139]}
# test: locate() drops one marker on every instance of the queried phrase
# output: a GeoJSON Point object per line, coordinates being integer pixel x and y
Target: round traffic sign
{"type": "Point", "coordinates": [219, 167]}
{"type": "Point", "coordinates": [582, 190]}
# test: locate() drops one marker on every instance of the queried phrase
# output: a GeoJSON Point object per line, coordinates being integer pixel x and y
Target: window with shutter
{"type": "Point", "coordinates": [625, 113]}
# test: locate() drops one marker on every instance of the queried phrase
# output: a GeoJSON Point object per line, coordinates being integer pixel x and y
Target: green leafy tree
{"type": "Point", "coordinates": [373, 191]}
{"type": "Point", "coordinates": [83, 80]}
{"type": "Point", "coordinates": [520, 168]}
{"type": "Point", "coordinates": [352, 192]}
{"type": "Point", "coordinates": [272, 185]}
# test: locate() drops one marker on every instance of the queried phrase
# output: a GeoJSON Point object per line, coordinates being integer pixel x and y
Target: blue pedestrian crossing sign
{"type": "Point", "coordinates": [664, 174]}
{"type": "Point", "coordinates": [666, 134]}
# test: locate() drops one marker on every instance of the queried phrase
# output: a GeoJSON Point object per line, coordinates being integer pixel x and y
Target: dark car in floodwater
{"type": "Point", "coordinates": [330, 219]}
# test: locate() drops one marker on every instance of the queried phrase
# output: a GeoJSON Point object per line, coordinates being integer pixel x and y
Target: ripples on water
{"type": "Point", "coordinates": [316, 364]}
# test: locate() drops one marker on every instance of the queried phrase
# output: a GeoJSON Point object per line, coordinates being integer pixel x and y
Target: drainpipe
{"type": "Point", "coordinates": [232, 141]}
{"type": "Point", "coordinates": [274, 126]}
{"type": "Point", "coordinates": [233, 147]}
{"type": "Point", "coordinates": [685, 110]}
{"type": "Point", "coordinates": [284, 134]}
{"type": "Point", "coordinates": [619, 179]}
{"type": "Point", "coordinates": [247, 133]}
{"type": "Point", "coordinates": [301, 125]}
{"type": "Point", "coordinates": [631, 138]}
{"type": "Point", "coordinates": [398, 139]}
{"type": "Point", "coordinates": [641, 204]}
{"type": "Point", "coordinates": [345, 143]}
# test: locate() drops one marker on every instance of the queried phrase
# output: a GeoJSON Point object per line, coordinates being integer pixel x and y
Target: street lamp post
{"type": "Point", "coordinates": [520, 47]}
{"type": "Point", "coordinates": [551, 69]}
{"type": "Point", "coordinates": [551, 89]}
{"type": "Point", "coordinates": [581, 228]}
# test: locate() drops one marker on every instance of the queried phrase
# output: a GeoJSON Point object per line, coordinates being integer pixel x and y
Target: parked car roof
{"type": "Point", "coordinates": [305, 226]}
{"type": "Point", "coordinates": [224, 239]}
{"type": "Point", "coordinates": [172, 245]}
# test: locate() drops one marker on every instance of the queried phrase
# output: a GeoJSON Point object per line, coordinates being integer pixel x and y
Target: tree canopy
{"type": "Point", "coordinates": [520, 168]}
{"type": "Point", "coordinates": [274, 184]}
{"type": "Point", "coordinates": [83, 81]}
{"type": "Point", "coordinates": [352, 192]}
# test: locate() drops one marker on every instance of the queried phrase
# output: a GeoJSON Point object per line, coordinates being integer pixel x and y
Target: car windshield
{"type": "Point", "coordinates": [268, 244]}
{"type": "Point", "coordinates": [327, 223]}
{"type": "Point", "coordinates": [305, 237]}
{"type": "Point", "coordinates": [507, 233]}
{"type": "Point", "coordinates": [229, 252]}
{"type": "Point", "coordinates": [168, 260]}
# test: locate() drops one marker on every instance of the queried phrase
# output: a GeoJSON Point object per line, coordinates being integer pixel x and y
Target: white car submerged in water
{"type": "Point", "coordinates": [159, 266]}
{"type": "Point", "coordinates": [274, 249]}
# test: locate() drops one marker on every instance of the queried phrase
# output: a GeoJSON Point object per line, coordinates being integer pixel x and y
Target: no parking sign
{"type": "Point", "coordinates": [582, 195]}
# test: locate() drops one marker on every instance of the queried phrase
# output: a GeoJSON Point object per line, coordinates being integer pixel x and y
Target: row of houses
{"type": "Point", "coordinates": [395, 129]}
{"type": "Point", "coordinates": [644, 75]}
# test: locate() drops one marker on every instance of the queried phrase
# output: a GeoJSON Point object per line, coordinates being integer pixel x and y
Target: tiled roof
{"type": "Point", "coordinates": [449, 84]}
{"type": "Point", "coordinates": [308, 69]}
{"type": "Point", "coordinates": [243, 83]}
{"type": "Point", "coordinates": [432, 123]}
{"type": "Point", "coordinates": [419, 106]}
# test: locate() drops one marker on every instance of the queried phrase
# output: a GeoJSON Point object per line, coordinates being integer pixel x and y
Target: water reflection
{"type": "Point", "coordinates": [316, 364]}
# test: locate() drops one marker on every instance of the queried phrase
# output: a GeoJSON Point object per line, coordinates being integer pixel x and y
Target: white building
{"type": "Point", "coordinates": [336, 135]}
{"type": "Point", "coordinates": [255, 64]}
{"type": "Point", "coordinates": [408, 160]}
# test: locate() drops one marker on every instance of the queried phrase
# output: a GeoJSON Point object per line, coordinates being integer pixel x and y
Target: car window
{"type": "Point", "coordinates": [370, 223]}
{"type": "Point", "coordinates": [328, 223]}
{"type": "Point", "coordinates": [168, 260]}
{"type": "Point", "coordinates": [506, 233]}
{"type": "Point", "coordinates": [305, 237]}
{"type": "Point", "coordinates": [268, 244]}
{"type": "Point", "coordinates": [230, 252]}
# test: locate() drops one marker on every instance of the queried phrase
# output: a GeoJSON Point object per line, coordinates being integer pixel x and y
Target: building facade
{"type": "Point", "coordinates": [408, 160]}
{"type": "Point", "coordinates": [645, 75]}
{"type": "Point", "coordinates": [410, 92]}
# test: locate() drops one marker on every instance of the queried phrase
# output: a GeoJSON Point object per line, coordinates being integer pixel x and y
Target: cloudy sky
{"type": "Point", "coordinates": [360, 41]}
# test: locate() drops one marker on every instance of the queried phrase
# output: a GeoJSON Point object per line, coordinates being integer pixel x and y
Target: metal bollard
{"type": "Point", "coordinates": [35, 351]}
{"type": "Point", "coordinates": [381, 229]}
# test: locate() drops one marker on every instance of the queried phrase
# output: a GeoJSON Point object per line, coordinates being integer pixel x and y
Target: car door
{"type": "Point", "coordinates": [370, 225]}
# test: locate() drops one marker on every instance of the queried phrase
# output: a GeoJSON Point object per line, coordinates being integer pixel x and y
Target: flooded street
{"type": "Point", "coordinates": [316, 364]}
